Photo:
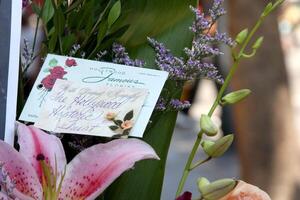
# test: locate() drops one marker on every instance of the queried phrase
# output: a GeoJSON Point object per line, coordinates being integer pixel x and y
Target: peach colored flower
{"type": "Point", "coordinates": [127, 124]}
{"type": "Point", "coordinates": [245, 191]}
{"type": "Point", "coordinates": [110, 115]}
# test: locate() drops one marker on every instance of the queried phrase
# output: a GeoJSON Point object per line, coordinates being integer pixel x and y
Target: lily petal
{"type": "Point", "coordinates": [19, 170]}
{"type": "Point", "coordinates": [247, 191]}
{"type": "Point", "coordinates": [4, 196]}
{"type": "Point", "coordinates": [95, 168]}
{"type": "Point", "coordinates": [34, 142]}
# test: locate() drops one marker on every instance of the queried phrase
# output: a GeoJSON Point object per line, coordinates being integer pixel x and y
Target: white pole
{"type": "Point", "coordinates": [13, 71]}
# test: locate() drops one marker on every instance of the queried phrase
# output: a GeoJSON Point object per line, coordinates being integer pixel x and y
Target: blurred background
{"type": "Point", "coordinates": [266, 125]}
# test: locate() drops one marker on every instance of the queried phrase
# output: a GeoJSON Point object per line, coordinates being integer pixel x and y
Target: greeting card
{"type": "Point", "coordinates": [92, 74]}
{"type": "Point", "coordinates": [98, 110]}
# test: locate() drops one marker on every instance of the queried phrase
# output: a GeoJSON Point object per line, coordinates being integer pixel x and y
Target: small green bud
{"type": "Point", "coordinates": [240, 38]}
{"type": "Point", "coordinates": [220, 146]}
{"type": "Point", "coordinates": [201, 182]}
{"type": "Point", "coordinates": [267, 9]}
{"type": "Point", "coordinates": [217, 189]}
{"type": "Point", "coordinates": [258, 43]}
{"type": "Point", "coordinates": [207, 125]}
{"type": "Point", "coordinates": [235, 96]}
{"type": "Point", "coordinates": [206, 144]}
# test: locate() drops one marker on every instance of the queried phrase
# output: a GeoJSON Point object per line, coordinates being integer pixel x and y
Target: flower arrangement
{"type": "Point", "coordinates": [91, 29]}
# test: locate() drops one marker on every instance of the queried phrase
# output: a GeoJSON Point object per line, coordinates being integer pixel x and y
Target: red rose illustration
{"type": "Point", "coordinates": [58, 72]}
{"type": "Point", "coordinates": [49, 81]}
{"type": "Point", "coordinates": [71, 62]}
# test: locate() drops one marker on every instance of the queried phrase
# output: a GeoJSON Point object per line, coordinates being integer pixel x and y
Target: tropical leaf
{"type": "Point", "coordinates": [114, 13]}
{"type": "Point", "coordinates": [167, 21]}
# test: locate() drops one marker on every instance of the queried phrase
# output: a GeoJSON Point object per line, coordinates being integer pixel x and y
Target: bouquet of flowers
{"type": "Point", "coordinates": [97, 30]}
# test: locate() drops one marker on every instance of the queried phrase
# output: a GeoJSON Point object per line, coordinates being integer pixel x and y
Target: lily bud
{"type": "Point", "coordinates": [217, 189]}
{"type": "Point", "coordinates": [201, 182]}
{"type": "Point", "coordinates": [206, 144]}
{"type": "Point", "coordinates": [235, 96]}
{"type": "Point", "coordinates": [220, 146]}
{"type": "Point", "coordinates": [240, 38]}
{"type": "Point", "coordinates": [258, 43]}
{"type": "Point", "coordinates": [267, 9]}
{"type": "Point", "coordinates": [207, 125]}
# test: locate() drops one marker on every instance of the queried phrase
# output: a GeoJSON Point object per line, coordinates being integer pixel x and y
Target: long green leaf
{"type": "Point", "coordinates": [168, 22]}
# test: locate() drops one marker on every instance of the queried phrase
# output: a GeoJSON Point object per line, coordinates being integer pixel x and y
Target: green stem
{"type": "Point", "coordinates": [200, 162]}
{"type": "Point", "coordinates": [188, 164]}
{"type": "Point", "coordinates": [221, 92]}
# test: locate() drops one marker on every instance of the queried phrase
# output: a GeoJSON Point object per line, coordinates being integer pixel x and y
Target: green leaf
{"type": "Point", "coordinates": [114, 13]}
{"type": "Point", "coordinates": [103, 27]}
{"type": "Point", "coordinates": [35, 8]}
{"type": "Point", "coordinates": [59, 21]}
{"type": "Point", "coordinates": [113, 128]}
{"type": "Point", "coordinates": [52, 43]}
{"type": "Point", "coordinates": [53, 62]}
{"type": "Point", "coordinates": [167, 21]}
{"type": "Point", "coordinates": [118, 122]}
{"type": "Point", "coordinates": [48, 11]}
{"type": "Point", "coordinates": [128, 116]}
{"type": "Point", "coordinates": [67, 42]}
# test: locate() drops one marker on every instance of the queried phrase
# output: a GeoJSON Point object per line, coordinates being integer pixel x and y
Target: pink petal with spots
{"type": "Point", "coordinates": [34, 141]}
{"type": "Point", "coordinates": [21, 172]}
{"type": "Point", "coordinates": [95, 168]}
{"type": "Point", "coordinates": [4, 196]}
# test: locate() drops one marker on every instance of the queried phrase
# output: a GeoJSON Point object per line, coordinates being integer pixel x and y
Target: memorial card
{"type": "Point", "coordinates": [97, 110]}
{"type": "Point", "coordinates": [87, 73]}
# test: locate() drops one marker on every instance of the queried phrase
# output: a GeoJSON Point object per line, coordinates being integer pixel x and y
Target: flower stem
{"type": "Point", "coordinates": [188, 166]}
{"type": "Point", "coordinates": [200, 163]}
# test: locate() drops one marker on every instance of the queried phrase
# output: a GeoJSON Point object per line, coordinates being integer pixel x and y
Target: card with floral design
{"type": "Point", "coordinates": [94, 73]}
{"type": "Point", "coordinates": [92, 110]}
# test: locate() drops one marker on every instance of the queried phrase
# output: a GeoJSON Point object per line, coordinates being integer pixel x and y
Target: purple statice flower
{"type": "Point", "coordinates": [120, 56]}
{"type": "Point", "coordinates": [200, 50]}
{"type": "Point", "coordinates": [200, 69]}
{"type": "Point", "coordinates": [204, 46]}
{"type": "Point", "coordinates": [161, 104]}
{"type": "Point", "coordinates": [216, 11]}
{"type": "Point", "coordinates": [193, 68]}
{"type": "Point", "coordinates": [167, 62]}
{"type": "Point", "coordinates": [222, 37]}
{"type": "Point", "coordinates": [179, 105]}
{"type": "Point", "coordinates": [201, 23]}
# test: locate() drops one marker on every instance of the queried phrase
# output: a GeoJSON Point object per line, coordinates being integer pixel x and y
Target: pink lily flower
{"type": "Point", "coordinates": [85, 177]}
{"type": "Point", "coordinates": [246, 191]}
